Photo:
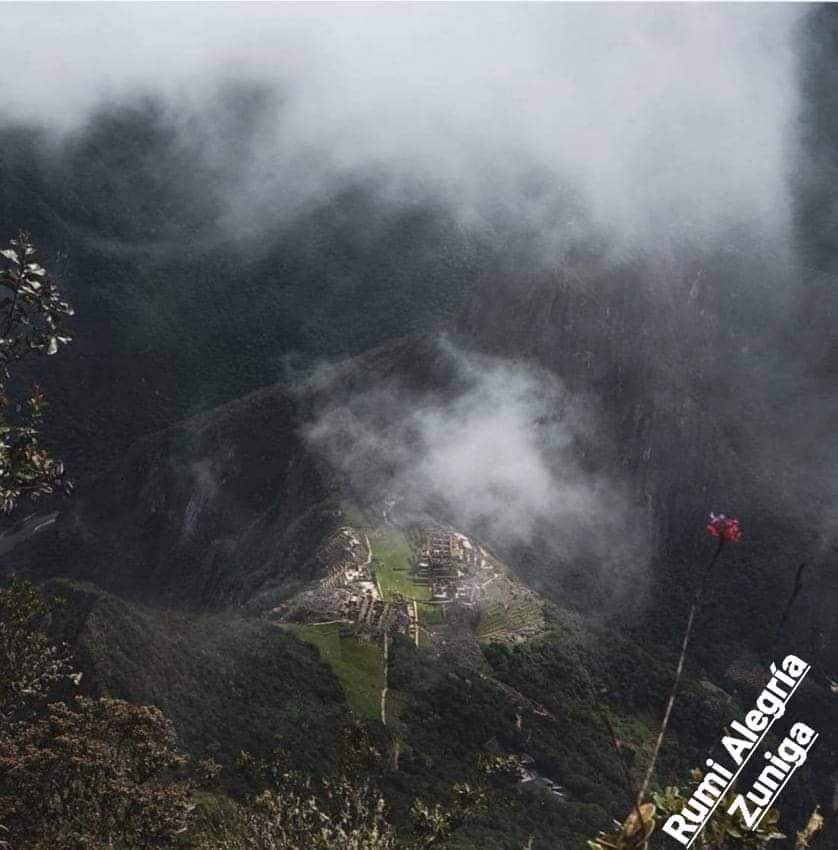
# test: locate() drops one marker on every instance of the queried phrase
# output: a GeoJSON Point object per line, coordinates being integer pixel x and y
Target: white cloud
{"type": "Point", "coordinates": [494, 448]}
{"type": "Point", "coordinates": [667, 118]}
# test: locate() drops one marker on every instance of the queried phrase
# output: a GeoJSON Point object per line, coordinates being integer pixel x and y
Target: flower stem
{"type": "Point", "coordinates": [679, 670]}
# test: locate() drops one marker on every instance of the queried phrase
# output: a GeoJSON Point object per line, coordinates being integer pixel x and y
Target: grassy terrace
{"type": "Point", "coordinates": [358, 665]}
{"type": "Point", "coordinates": [391, 553]}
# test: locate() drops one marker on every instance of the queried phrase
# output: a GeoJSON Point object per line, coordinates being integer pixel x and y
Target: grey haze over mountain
{"type": "Point", "coordinates": [602, 194]}
{"type": "Point", "coordinates": [647, 123]}
{"type": "Point", "coordinates": [496, 447]}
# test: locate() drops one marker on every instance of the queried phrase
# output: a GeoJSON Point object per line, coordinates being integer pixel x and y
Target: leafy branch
{"type": "Point", "coordinates": [32, 315]}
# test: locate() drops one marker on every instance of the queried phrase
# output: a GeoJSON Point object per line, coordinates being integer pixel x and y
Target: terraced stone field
{"type": "Point", "coordinates": [501, 621]}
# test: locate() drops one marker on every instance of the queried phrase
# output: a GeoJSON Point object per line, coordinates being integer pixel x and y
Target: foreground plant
{"type": "Point", "coordinates": [302, 815]}
{"type": "Point", "coordinates": [723, 529]}
{"type": "Point", "coordinates": [96, 773]}
{"type": "Point", "coordinates": [32, 314]}
{"type": "Point", "coordinates": [633, 833]}
{"type": "Point", "coordinates": [723, 832]}
{"type": "Point", "coordinates": [435, 824]}
{"type": "Point", "coordinates": [804, 838]}
{"type": "Point", "coordinates": [31, 664]}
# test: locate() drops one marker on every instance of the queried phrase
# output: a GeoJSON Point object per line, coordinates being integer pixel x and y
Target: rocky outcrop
{"type": "Point", "coordinates": [223, 509]}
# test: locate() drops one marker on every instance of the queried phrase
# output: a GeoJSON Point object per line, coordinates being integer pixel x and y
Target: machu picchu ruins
{"type": "Point", "coordinates": [437, 572]}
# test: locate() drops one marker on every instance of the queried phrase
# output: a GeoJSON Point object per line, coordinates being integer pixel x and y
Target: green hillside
{"type": "Point", "coordinates": [233, 684]}
{"type": "Point", "coordinates": [358, 665]}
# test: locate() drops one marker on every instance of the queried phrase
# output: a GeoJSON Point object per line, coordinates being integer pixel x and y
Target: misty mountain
{"type": "Point", "coordinates": [558, 282]}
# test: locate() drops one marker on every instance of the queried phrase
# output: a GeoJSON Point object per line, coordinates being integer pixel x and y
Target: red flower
{"type": "Point", "coordinates": [725, 527]}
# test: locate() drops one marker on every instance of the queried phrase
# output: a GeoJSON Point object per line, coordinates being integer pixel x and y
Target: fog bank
{"type": "Point", "coordinates": [642, 123]}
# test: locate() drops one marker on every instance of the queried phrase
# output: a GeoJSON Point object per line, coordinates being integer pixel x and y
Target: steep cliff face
{"type": "Point", "coordinates": [227, 508]}
{"type": "Point", "coordinates": [208, 513]}
{"type": "Point", "coordinates": [688, 369]}
{"type": "Point", "coordinates": [226, 504]}
{"type": "Point", "coordinates": [711, 380]}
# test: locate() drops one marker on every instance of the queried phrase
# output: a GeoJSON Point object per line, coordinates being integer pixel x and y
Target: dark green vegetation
{"type": "Point", "coordinates": [228, 683]}
{"type": "Point", "coordinates": [233, 684]}
{"type": "Point", "coordinates": [358, 665]}
{"type": "Point", "coordinates": [540, 698]}
{"type": "Point", "coordinates": [32, 315]}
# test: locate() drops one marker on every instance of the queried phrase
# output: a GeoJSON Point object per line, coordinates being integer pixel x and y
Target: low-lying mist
{"type": "Point", "coordinates": [245, 183]}
{"type": "Point", "coordinates": [495, 446]}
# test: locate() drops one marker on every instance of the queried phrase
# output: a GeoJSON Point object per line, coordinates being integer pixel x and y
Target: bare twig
{"type": "Point", "coordinates": [798, 586]}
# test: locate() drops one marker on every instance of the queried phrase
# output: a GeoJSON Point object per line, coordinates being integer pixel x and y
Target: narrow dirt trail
{"type": "Point", "coordinates": [369, 551]}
